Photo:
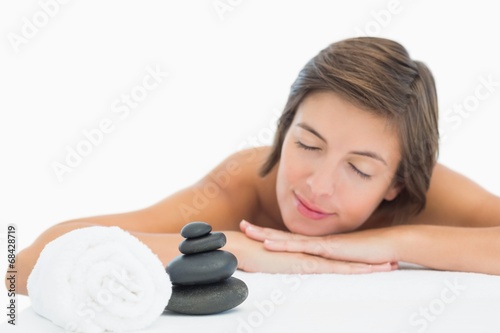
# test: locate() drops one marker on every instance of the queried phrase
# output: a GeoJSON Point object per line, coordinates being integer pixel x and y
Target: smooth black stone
{"type": "Point", "coordinates": [202, 268]}
{"type": "Point", "coordinates": [210, 242]}
{"type": "Point", "coordinates": [208, 298]}
{"type": "Point", "coordinates": [195, 229]}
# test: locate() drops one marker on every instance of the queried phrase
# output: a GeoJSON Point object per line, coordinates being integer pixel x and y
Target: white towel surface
{"type": "Point", "coordinates": [410, 300]}
{"type": "Point", "coordinates": [99, 279]}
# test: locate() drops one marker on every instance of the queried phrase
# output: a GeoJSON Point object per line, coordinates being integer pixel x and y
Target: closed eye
{"type": "Point", "coordinates": [360, 173]}
{"type": "Point", "coordinates": [305, 147]}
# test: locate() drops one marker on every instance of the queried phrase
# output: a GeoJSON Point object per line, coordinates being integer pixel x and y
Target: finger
{"type": "Point", "coordinates": [317, 265]}
{"type": "Point", "coordinates": [385, 267]}
{"type": "Point", "coordinates": [250, 231]}
{"type": "Point", "coordinates": [361, 268]}
{"type": "Point", "coordinates": [246, 226]}
{"type": "Point", "coordinates": [243, 225]}
{"type": "Point", "coordinates": [319, 247]}
{"type": "Point", "coordinates": [331, 250]}
{"type": "Point", "coordinates": [261, 234]}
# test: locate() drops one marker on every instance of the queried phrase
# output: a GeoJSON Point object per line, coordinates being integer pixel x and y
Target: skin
{"type": "Point", "coordinates": [337, 159]}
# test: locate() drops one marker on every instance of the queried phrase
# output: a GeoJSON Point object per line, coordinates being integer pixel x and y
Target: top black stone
{"type": "Point", "coordinates": [196, 229]}
{"type": "Point", "coordinates": [210, 242]}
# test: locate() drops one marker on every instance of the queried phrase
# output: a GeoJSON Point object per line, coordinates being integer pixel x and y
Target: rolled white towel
{"type": "Point", "coordinates": [99, 279]}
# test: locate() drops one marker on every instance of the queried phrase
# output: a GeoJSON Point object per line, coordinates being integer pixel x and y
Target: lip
{"type": "Point", "coordinates": [308, 210]}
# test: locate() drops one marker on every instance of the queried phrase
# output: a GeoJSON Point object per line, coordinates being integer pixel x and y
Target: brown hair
{"type": "Point", "coordinates": [378, 75]}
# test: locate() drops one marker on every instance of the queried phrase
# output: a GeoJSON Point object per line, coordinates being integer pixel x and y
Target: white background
{"type": "Point", "coordinates": [228, 75]}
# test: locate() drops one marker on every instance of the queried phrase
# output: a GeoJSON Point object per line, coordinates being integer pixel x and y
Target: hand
{"type": "Point", "coordinates": [254, 257]}
{"type": "Point", "coordinates": [362, 247]}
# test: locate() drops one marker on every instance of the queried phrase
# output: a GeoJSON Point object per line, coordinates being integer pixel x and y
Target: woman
{"type": "Point", "coordinates": [350, 185]}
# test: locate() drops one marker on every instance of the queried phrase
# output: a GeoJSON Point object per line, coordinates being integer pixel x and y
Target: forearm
{"type": "Point", "coordinates": [449, 248]}
{"type": "Point", "coordinates": [165, 246]}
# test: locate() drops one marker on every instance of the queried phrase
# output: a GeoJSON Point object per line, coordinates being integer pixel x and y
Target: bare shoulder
{"type": "Point", "coordinates": [241, 168]}
{"type": "Point", "coordinates": [237, 177]}
{"type": "Point", "coordinates": [250, 194]}
{"type": "Point", "coordinates": [456, 200]}
{"type": "Point", "coordinates": [223, 197]}
{"type": "Point", "coordinates": [260, 203]}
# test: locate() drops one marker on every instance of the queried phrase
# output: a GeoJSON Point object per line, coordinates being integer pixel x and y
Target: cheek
{"type": "Point", "coordinates": [290, 176]}
{"type": "Point", "coordinates": [292, 169]}
{"type": "Point", "coordinates": [358, 205]}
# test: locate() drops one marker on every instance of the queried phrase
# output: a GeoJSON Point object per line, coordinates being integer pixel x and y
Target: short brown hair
{"type": "Point", "coordinates": [377, 75]}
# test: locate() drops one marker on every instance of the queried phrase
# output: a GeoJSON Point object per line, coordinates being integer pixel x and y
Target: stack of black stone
{"type": "Point", "coordinates": [201, 276]}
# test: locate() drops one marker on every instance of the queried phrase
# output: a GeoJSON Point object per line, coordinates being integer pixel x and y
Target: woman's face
{"type": "Point", "coordinates": [337, 164]}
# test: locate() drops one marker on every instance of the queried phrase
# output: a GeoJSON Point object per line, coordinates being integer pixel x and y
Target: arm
{"type": "Point", "coordinates": [158, 226]}
{"type": "Point", "coordinates": [459, 230]}
{"type": "Point", "coordinates": [451, 248]}
{"type": "Point", "coordinates": [254, 257]}
{"type": "Point", "coordinates": [438, 247]}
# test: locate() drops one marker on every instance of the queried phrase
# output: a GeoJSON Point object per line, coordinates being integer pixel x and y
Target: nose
{"type": "Point", "coordinates": [322, 181]}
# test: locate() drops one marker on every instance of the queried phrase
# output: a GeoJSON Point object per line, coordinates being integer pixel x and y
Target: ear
{"type": "Point", "coordinates": [393, 191]}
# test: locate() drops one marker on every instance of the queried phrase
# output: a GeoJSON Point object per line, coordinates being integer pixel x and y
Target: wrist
{"type": "Point", "coordinates": [233, 241]}
{"type": "Point", "coordinates": [401, 240]}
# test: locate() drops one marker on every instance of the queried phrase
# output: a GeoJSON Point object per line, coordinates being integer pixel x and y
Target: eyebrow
{"type": "Point", "coordinates": [312, 130]}
{"type": "Point", "coordinates": [370, 154]}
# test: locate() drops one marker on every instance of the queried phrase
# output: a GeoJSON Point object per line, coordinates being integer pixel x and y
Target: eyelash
{"type": "Point", "coordinates": [361, 174]}
{"type": "Point", "coordinates": [303, 146]}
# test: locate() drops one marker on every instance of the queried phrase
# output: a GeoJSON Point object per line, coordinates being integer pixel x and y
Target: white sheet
{"type": "Point", "coordinates": [380, 302]}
